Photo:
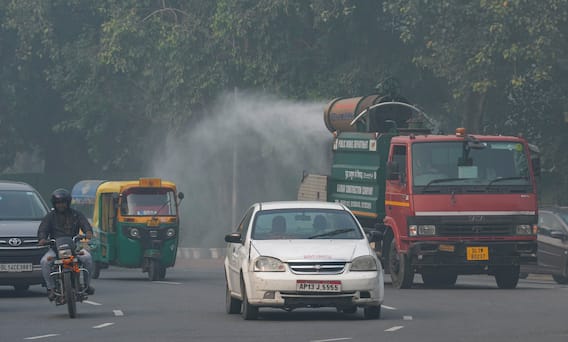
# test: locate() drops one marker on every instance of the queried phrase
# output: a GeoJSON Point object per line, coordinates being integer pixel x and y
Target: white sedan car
{"type": "Point", "coordinates": [301, 254]}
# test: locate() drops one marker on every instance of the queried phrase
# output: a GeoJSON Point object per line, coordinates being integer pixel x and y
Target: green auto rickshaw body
{"type": "Point", "coordinates": [136, 225]}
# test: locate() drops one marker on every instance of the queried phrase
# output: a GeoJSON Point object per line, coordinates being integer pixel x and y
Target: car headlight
{"type": "Point", "coordinates": [268, 264]}
{"type": "Point", "coordinates": [64, 253]}
{"type": "Point", "coordinates": [364, 263]}
{"type": "Point", "coordinates": [526, 229]}
{"type": "Point", "coordinates": [421, 229]}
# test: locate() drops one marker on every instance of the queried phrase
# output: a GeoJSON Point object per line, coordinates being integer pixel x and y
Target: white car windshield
{"type": "Point", "coordinates": [305, 224]}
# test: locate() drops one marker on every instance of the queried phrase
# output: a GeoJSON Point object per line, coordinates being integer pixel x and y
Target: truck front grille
{"type": "Point", "coordinates": [475, 230]}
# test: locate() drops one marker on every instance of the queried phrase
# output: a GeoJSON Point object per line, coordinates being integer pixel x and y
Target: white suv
{"type": "Point", "coordinates": [301, 254]}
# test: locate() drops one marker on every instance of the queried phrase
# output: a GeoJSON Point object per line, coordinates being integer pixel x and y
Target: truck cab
{"type": "Point", "coordinates": [459, 204]}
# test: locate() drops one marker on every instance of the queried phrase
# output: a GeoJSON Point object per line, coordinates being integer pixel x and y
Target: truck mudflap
{"type": "Point", "coordinates": [471, 257]}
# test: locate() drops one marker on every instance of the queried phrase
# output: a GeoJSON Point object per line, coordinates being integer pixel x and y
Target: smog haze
{"type": "Point", "coordinates": [248, 148]}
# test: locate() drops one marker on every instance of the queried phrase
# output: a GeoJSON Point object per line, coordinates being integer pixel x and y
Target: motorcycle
{"type": "Point", "coordinates": [68, 273]}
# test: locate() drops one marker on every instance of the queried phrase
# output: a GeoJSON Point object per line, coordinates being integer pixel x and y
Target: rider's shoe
{"type": "Point", "coordinates": [51, 294]}
{"type": "Point", "coordinates": [90, 290]}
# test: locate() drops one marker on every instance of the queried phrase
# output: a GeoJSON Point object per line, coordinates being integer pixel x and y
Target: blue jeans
{"type": "Point", "coordinates": [85, 259]}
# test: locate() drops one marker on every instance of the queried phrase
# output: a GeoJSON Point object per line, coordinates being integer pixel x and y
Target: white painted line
{"type": "Point", "coordinates": [388, 307]}
{"type": "Point", "coordinates": [407, 318]}
{"type": "Point", "coordinates": [333, 339]}
{"type": "Point", "coordinates": [42, 336]}
{"type": "Point", "coordinates": [168, 282]}
{"type": "Point", "coordinates": [104, 325]}
{"type": "Point", "coordinates": [92, 303]}
{"type": "Point", "coordinates": [398, 327]}
{"type": "Point", "coordinates": [118, 312]}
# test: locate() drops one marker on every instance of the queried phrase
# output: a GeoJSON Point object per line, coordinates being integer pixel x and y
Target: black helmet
{"type": "Point", "coordinates": [61, 195]}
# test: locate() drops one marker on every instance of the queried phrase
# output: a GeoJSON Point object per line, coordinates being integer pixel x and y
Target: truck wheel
{"type": "Point", "coordinates": [560, 279]}
{"type": "Point", "coordinates": [507, 277]}
{"type": "Point", "coordinates": [401, 272]}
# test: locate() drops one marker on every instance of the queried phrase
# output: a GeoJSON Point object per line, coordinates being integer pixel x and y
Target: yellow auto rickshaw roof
{"type": "Point", "coordinates": [120, 186]}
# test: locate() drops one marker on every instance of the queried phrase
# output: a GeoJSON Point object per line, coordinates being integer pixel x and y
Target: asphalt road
{"type": "Point", "coordinates": [189, 306]}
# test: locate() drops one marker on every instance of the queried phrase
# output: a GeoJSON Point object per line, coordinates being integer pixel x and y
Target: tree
{"type": "Point", "coordinates": [483, 47]}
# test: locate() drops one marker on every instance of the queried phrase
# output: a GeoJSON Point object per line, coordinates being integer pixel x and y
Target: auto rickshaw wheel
{"type": "Point", "coordinates": [162, 273]}
{"type": "Point", "coordinates": [154, 270]}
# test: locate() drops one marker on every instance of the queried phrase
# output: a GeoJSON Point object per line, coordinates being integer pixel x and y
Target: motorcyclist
{"type": "Point", "coordinates": [63, 221]}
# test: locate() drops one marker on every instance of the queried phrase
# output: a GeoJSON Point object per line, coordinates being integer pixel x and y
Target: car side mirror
{"type": "Point", "coordinates": [233, 238]}
{"type": "Point", "coordinates": [181, 196]}
{"type": "Point", "coordinates": [393, 171]}
{"type": "Point", "coordinates": [557, 234]}
{"type": "Point", "coordinates": [376, 234]}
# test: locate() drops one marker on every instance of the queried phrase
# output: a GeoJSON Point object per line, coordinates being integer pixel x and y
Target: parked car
{"type": "Point", "coordinates": [301, 254]}
{"type": "Point", "coordinates": [552, 251]}
{"type": "Point", "coordinates": [21, 210]}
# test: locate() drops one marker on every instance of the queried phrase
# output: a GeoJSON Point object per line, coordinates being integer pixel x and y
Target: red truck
{"type": "Point", "coordinates": [434, 204]}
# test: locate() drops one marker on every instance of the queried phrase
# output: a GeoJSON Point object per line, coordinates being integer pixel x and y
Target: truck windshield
{"type": "Point", "coordinates": [148, 202]}
{"type": "Point", "coordinates": [488, 164]}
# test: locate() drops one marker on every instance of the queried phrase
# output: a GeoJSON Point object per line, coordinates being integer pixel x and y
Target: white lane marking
{"type": "Point", "coordinates": [389, 307]}
{"type": "Point", "coordinates": [104, 325]}
{"type": "Point", "coordinates": [167, 282]}
{"type": "Point", "coordinates": [407, 318]}
{"type": "Point", "coordinates": [395, 328]}
{"type": "Point", "coordinates": [42, 336]}
{"type": "Point", "coordinates": [118, 312]}
{"type": "Point", "coordinates": [91, 302]}
{"type": "Point", "coordinates": [333, 339]}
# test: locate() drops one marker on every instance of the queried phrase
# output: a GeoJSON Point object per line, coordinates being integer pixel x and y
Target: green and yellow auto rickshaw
{"type": "Point", "coordinates": [136, 225]}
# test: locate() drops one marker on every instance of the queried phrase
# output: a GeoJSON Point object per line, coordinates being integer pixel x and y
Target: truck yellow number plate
{"type": "Point", "coordinates": [477, 253]}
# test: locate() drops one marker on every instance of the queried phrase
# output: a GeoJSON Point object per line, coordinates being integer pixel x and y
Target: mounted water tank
{"type": "Point", "coordinates": [340, 112]}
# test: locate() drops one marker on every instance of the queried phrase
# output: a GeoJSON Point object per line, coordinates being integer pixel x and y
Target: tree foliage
{"type": "Point", "coordinates": [103, 81]}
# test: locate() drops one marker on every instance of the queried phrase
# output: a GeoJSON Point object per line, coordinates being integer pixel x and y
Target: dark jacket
{"type": "Point", "coordinates": [68, 223]}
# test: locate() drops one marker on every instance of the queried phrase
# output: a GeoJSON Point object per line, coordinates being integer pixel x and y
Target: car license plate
{"type": "Point", "coordinates": [477, 253]}
{"type": "Point", "coordinates": [318, 286]}
{"type": "Point", "coordinates": [16, 267]}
